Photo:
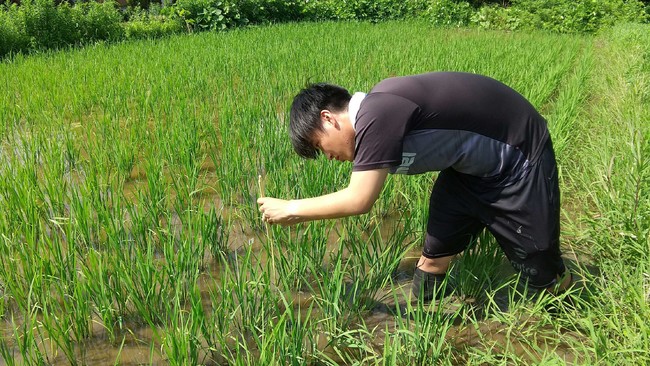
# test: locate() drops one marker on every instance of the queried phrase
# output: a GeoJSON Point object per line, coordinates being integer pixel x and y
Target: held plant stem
{"type": "Point", "coordinates": [269, 239]}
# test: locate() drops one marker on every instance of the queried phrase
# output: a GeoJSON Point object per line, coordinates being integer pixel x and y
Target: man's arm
{"type": "Point", "coordinates": [357, 198]}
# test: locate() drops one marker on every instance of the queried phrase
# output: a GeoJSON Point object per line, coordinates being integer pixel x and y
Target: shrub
{"type": "Point", "coordinates": [12, 33]}
{"type": "Point", "coordinates": [377, 10]}
{"type": "Point", "coordinates": [97, 21]}
{"type": "Point", "coordinates": [449, 13]}
{"type": "Point", "coordinates": [271, 11]}
{"type": "Point", "coordinates": [41, 24]}
{"type": "Point", "coordinates": [48, 25]}
{"type": "Point", "coordinates": [328, 10]}
{"type": "Point", "coordinates": [139, 29]}
{"type": "Point", "coordinates": [568, 16]}
{"type": "Point", "coordinates": [371, 10]}
{"type": "Point", "coordinates": [155, 22]}
{"type": "Point", "coordinates": [142, 4]}
{"type": "Point", "coordinates": [150, 14]}
{"type": "Point", "coordinates": [497, 17]}
{"type": "Point", "coordinates": [200, 15]}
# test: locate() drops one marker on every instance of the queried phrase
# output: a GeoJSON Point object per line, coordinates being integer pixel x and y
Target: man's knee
{"type": "Point", "coordinates": [542, 270]}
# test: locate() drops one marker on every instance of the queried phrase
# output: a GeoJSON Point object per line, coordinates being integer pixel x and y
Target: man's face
{"type": "Point", "coordinates": [337, 139]}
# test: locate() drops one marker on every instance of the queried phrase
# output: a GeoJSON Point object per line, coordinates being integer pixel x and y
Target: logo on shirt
{"type": "Point", "coordinates": [407, 160]}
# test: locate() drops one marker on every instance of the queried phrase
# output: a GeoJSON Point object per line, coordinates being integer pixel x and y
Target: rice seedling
{"type": "Point", "coordinates": [181, 341]}
{"type": "Point", "coordinates": [373, 264]}
{"type": "Point", "coordinates": [106, 305]}
{"type": "Point", "coordinates": [419, 333]}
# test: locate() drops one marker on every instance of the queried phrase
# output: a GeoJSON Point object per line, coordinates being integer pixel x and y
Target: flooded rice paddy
{"type": "Point", "coordinates": [130, 233]}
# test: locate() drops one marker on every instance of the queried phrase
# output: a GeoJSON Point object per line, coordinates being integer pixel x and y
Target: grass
{"type": "Point", "coordinates": [129, 176]}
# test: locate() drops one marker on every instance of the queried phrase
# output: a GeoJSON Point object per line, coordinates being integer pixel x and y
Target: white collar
{"type": "Point", "coordinates": [353, 107]}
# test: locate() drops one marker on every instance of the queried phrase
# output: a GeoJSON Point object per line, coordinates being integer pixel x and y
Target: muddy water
{"type": "Point", "coordinates": [471, 330]}
{"type": "Point", "coordinates": [133, 347]}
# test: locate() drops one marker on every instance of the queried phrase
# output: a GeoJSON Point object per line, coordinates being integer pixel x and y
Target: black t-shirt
{"type": "Point", "coordinates": [430, 122]}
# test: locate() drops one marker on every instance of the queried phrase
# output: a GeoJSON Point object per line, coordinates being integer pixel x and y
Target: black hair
{"type": "Point", "coordinates": [304, 119]}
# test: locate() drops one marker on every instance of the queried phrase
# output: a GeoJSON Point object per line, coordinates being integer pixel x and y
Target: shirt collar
{"type": "Point", "coordinates": [353, 107]}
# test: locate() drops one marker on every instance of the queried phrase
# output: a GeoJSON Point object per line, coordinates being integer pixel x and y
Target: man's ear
{"type": "Point", "coordinates": [327, 116]}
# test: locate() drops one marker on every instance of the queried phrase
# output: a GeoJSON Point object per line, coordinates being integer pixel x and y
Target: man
{"type": "Point", "coordinates": [492, 148]}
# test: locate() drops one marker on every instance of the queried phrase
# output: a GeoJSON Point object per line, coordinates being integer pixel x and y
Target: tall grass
{"type": "Point", "coordinates": [613, 181]}
{"type": "Point", "coordinates": [128, 182]}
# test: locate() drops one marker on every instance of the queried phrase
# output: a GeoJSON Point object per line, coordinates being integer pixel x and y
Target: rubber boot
{"type": "Point", "coordinates": [426, 285]}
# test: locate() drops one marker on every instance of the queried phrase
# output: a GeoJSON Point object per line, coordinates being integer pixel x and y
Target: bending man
{"type": "Point", "coordinates": [492, 148]}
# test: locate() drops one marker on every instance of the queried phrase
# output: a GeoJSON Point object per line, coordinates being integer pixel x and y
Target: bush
{"type": "Point", "coordinates": [369, 10]}
{"type": "Point", "coordinates": [139, 29]}
{"type": "Point", "coordinates": [565, 16]}
{"type": "Point", "coordinates": [97, 21]}
{"type": "Point", "coordinates": [328, 10]}
{"type": "Point", "coordinates": [155, 22]}
{"type": "Point", "coordinates": [271, 11]}
{"type": "Point", "coordinates": [449, 13]}
{"type": "Point", "coordinates": [496, 17]}
{"type": "Point", "coordinates": [377, 10]}
{"type": "Point", "coordinates": [12, 34]}
{"type": "Point", "coordinates": [41, 24]}
{"type": "Point", "coordinates": [153, 13]}
{"type": "Point", "coordinates": [48, 25]}
{"type": "Point", "coordinates": [201, 15]}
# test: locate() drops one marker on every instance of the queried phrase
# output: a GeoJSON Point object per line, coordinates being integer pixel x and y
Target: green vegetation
{"type": "Point", "coordinates": [39, 25]}
{"type": "Point", "coordinates": [130, 233]}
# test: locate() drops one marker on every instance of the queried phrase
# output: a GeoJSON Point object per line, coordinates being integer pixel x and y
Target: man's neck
{"type": "Point", "coordinates": [353, 107]}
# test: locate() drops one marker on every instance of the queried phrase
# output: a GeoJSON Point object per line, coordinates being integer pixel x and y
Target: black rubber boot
{"type": "Point", "coordinates": [427, 286]}
{"type": "Point", "coordinates": [565, 301]}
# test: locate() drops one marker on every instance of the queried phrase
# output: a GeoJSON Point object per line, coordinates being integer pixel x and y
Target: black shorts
{"type": "Point", "coordinates": [524, 217]}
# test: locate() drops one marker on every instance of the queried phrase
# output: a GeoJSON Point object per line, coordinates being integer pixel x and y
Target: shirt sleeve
{"type": "Point", "coordinates": [381, 124]}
